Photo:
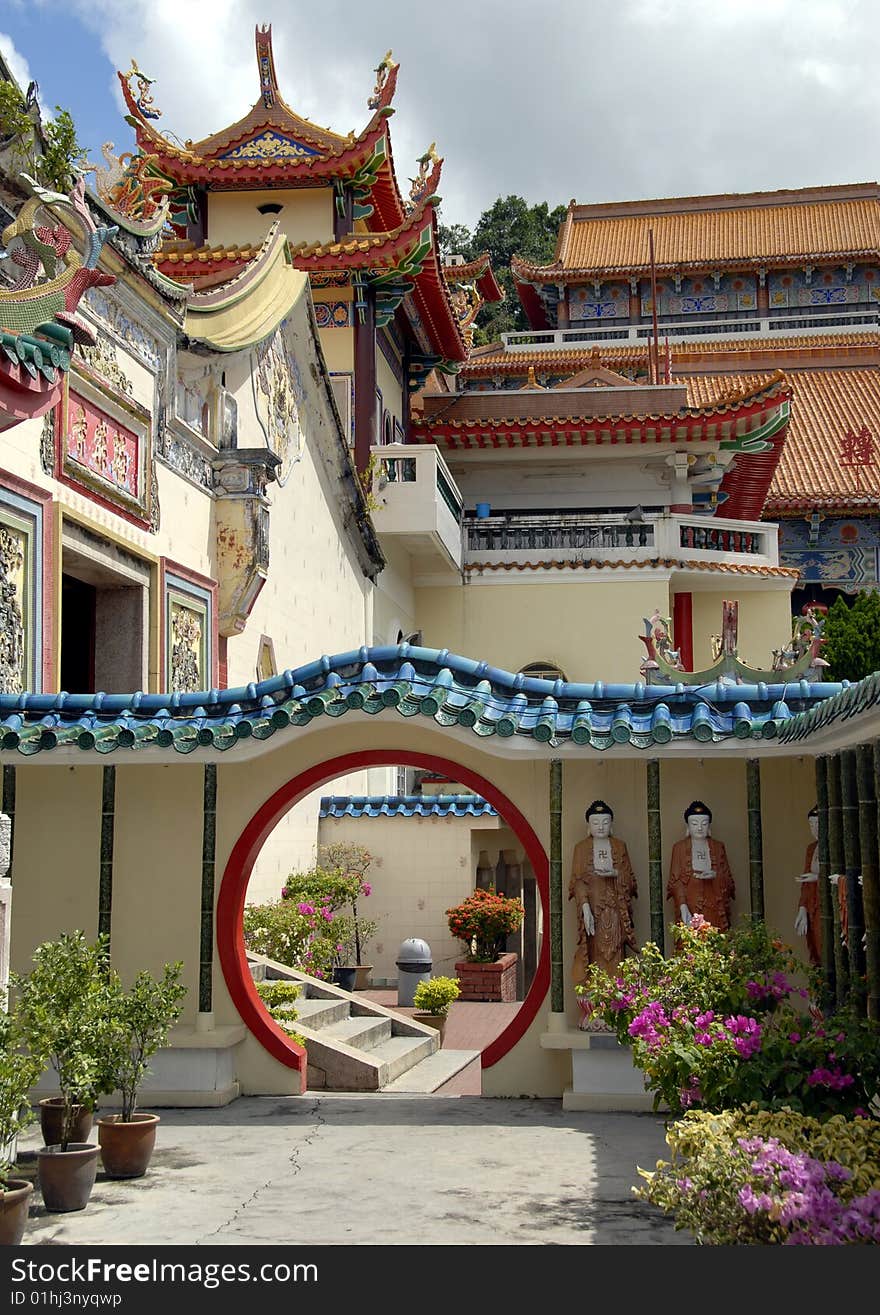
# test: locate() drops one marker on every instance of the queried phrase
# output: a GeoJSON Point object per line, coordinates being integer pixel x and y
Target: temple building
{"type": "Point", "coordinates": [746, 285]}
{"type": "Point", "coordinates": [271, 526]}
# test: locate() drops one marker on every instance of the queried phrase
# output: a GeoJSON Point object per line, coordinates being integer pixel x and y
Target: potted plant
{"type": "Point", "coordinates": [483, 922]}
{"type": "Point", "coordinates": [63, 1010]}
{"type": "Point", "coordinates": [432, 999]}
{"type": "Point", "coordinates": [138, 1026]}
{"type": "Point", "coordinates": [18, 1072]}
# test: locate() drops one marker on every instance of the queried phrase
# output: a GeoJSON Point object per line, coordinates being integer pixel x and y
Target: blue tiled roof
{"type": "Point", "coordinates": [451, 690]}
{"type": "Point", "coordinates": [849, 702]}
{"type": "Point", "coordinates": [406, 805]}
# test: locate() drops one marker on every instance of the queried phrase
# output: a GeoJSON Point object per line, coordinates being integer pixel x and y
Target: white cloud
{"type": "Point", "coordinates": [599, 99]}
{"type": "Point", "coordinates": [15, 60]}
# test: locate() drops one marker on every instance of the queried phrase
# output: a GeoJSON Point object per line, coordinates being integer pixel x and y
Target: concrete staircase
{"type": "Point", "coordinates": [356, 1045]}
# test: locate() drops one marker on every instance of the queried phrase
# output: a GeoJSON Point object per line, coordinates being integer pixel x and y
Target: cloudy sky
{"type": "Point", "coordinates": [595, 99]}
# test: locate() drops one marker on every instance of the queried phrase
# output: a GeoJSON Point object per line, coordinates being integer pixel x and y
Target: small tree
{"type": "Point", "coordinates": [19, 1071]}
{"type": "Point", "coordinates": [65, 1010]}
{"type": "Point", "coordinates": [852, 637]}
{"type": "Point", "coordinates": [138, 1026]}
{"type": "Point", "coordinates": [351, 863]}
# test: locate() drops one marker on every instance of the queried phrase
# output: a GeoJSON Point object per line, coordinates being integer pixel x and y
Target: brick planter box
{"type": "Point", "coordinates": [488, 981]}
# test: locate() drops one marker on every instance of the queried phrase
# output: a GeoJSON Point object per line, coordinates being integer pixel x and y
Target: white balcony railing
{"type": "Point", "coordinates": [419, 503]}
{"type": "Point", "coordinates": [797, 324]}
{"type": "Point", "coordinates": [581, 537]}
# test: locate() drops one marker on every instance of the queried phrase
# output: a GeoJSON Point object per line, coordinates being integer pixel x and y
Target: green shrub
{"type": "Point", "coordinates": [761, 1176]}
{"type": "Point", "coordinates": [436, 994]}
{"type": "Point", "coordinates": [274, 993]}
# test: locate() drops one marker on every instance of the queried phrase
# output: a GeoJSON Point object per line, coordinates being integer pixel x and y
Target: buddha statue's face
{"type": "Point", "coordinates": [813, 820]}
{"type": "Point", "coordinates": [698, 826]}
{"type": "Point", "coordinates": [600, 825]}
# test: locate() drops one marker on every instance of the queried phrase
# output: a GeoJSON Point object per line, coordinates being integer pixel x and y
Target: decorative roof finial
{"type": "Point", "coordinates": [144, 98]}
{"type": "Point", "coordinates": [266, 64]}
{"type": "Point", "coordinates": [383, 72]}
{"type": "Point", "coordinates": [419, 188]}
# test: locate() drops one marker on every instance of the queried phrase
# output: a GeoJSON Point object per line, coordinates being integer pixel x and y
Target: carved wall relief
{"type": "Point", "coordinates": [13, 547]}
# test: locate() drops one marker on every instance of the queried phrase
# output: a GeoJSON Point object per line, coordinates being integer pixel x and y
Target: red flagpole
{"type": "Point", "coordinates": [655, 355]}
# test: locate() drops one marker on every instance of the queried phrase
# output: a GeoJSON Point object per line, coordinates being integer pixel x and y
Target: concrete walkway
{"type": "Point", "coordinates": [340, 1169]}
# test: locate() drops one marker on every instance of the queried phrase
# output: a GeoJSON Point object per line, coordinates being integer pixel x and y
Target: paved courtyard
{"type": "Point", "coordinates": [338, 1169]}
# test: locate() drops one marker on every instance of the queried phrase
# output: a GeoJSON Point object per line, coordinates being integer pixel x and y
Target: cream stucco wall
{"type": "Point", "coordinates": [421, 867]}
{"type": "Point", "coordinates": [589, 627]}
{"type": "Point", "coordinates": [56, 856]}
{"type": "Point", "coordinates": [764, 623]}
{"type": "Point", "coordinates": [392, 394]}
{"type": "Point", "coordinates": [306, 216]}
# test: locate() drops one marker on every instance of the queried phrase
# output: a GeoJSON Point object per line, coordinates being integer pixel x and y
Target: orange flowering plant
{"type": "Point", "coordinates": [484, 921]}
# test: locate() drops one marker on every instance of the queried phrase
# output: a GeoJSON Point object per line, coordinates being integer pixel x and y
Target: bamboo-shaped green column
{"type": "Point", "coordinates": [866, 763]}
{"type": "Point", "coordinates": [836, 863]}
{"type": "Point", "coordinates": [849, 797]}
{"type": "Point", "coordinates": [655, 853]}
{"type": "Point", "coordinates": [826, 912]}
{"type": "Point", "coordinates": [557, 990]}
{"type": "Point", "coordinates": [105, 870]}
{"type": "Point", "coordinates": [206, 930]}
{"type": "Point", "coordinates": [756, 839]}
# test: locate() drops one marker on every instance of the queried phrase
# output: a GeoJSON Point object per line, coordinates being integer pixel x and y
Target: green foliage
{"type": "Point", "coordinates": [711, 1186]}
{"type": "Point", "coordinates": [510, 227]}
{"type": "Point", "coordinates": [64, 1009]}
{"type": "Point", "coordinates": [274, 993]}
{"type": "Point", "coordinates": [323, 887]}
{"type": "Point", "coordinates": [50, 151]}
{"type": "Point", "coordinates": [436, 994]}
{"type": "Point", "coordinates": [852, 637]}
{"type": "Point", "coordinates": [281, 932]}
{"type": "Point", "coordinates": [484, 921]}
{"type": "Point", "coordinates": [19, 1071]}
{"type": "Point", "coordinates": [139, 1020]}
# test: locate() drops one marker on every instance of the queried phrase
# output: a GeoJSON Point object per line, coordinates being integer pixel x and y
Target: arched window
{"type": "Point", "coordinates": [543, 671]}
{"type": "Point", "coordinates": [387, 428]}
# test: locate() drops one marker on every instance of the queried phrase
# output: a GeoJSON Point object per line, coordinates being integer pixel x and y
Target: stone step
{"type": "Point", "coordinates": [318, 1012]}
{"type": "Point", "coordinates": [431, 1073]}
{"type": "Point", "coordinates": [400, 1053]}
{"type": "Point", "coordinates": [364, 1033]}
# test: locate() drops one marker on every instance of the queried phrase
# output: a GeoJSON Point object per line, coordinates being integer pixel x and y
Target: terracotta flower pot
{"type": "Point", "coordinates": [52, 1121]}
{"type": "Point", "coordinates": [126, 1148]}
{"type": "Point", "coordinates": [14, 1202]}
{"type": "Point", "coordinates": [437, 1021]}
{"type": "Point", "coordinates": [67, 1177]}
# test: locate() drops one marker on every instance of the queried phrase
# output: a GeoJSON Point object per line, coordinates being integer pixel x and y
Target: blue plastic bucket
{"type": "Point", "coordinates": [483, 510]}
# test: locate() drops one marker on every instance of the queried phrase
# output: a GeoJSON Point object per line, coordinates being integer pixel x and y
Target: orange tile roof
{"type": "Point", "coordinates": [653, 563]}
{"type": "Point", "coordinates": [712, 232]}
{"type": "Point", "coordinates": [825, 405]}
{"type": "Point", "coordinates": [495, 359]}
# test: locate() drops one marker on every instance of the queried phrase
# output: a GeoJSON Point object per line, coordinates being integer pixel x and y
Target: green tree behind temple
{"type": "Point", "coordinates": [852, 637]}
{"type": "Point", "coordinates": [510, 227]}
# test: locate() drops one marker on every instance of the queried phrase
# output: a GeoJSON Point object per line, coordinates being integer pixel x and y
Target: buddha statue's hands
{"type": "Point", "coordinates": [801, 922]}
{"type": "Point", "coordinates": [685, 915]}
{"type": "Point", "coordinates": [589, 920]}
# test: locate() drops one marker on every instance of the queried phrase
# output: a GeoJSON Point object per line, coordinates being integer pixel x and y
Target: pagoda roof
{"type": "Point", "coordinates": [834, 380]}
{"type": "Point", "coordinates": [819, 226]}
{"type": "Point", "coordinates": [272, 145]}
{"type": "Point", "coordinates": [403, 262]}
{"type": "Point", "coordinates": [479, 272]}
{"type": "Point", "coordinates": [748, 419]}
